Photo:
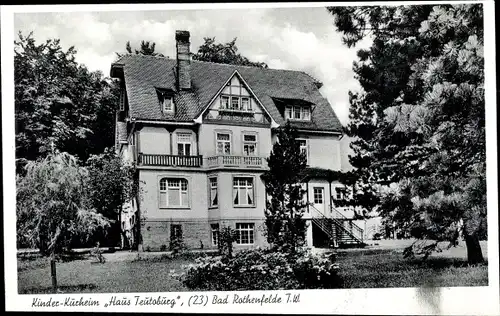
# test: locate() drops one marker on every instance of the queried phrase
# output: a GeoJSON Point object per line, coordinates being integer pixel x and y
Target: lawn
{"type": "Point", "coordinates": [388, 268]}
{"type": "Point", "coordinates": [382, 266]}
{"type": "Point", "coordinates": [85, 276]}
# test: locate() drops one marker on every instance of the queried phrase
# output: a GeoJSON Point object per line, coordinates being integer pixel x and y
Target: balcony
{"type": "Point", "coordinates": [169, 160]}
{"type": "Point", "coordinates": [236, 161]}
{"type": "Point", "coordinates": [242, 116]}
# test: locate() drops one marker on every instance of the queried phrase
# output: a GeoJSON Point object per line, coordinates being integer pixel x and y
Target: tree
{"type": "Point", "coordinates": [419, 121]}
{"type": "Point", "coordinates": [223, 53]}
{"type": "Point", "coordinates": [285, 227]}
{"type": "Point", "coordinates": [53, 207]}
{"type": "Point", "coordinates": [147, 48]}
{"type": "Point", "coordinates": [59, 102]}
{"type": "Point", "coordinates": [111, 183]}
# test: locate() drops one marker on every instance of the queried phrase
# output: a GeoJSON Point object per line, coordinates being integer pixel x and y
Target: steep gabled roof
{"type": "Point", "coordinates": [144, 74]}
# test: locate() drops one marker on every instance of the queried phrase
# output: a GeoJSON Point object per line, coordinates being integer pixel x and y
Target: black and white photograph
{"type": "Point", "coordinates": [288, 157]}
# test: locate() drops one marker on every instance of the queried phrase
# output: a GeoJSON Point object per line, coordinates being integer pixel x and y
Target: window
{"type": "Point", "coordinates": [249, 144]}
{"type": "Point", "coordinates": [168, 105]}
{"type": "Point", "coordinates": [245, 233]}
{"type": "Point", "coordinates": [214, 228]}
{"type": "Point", "coordinates": [213, 191]}
{"type": "Point", "coordinates": [175, 231]}
{"type": "Point", "coordinates": [184, 144]}
{"type": "Point", "coordinates": [339, 193]}
{"type": "Point", "coordinates": [235, 97]}
{"type": "Point", "coordinates": [318, 195]}
{"type": "Point", "coordinates": [174, 192]}
{"type": "Point", "coordinates": [304, 148]}
{"type": "Point", "coordinates": [223, 144]}
{"type": "Point", "coordinates": [298, 113]}
{"type": "Point", "coordinates": [245, 104]}
{"type": "Point", "coordinates": [243, 193]}
{"type": "Point", "coordinates": [235, 103]}
{"type": "Point", "coordinates": [224, 102]}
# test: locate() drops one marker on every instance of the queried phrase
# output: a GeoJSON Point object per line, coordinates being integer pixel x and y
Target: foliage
{"type": "Point", "coordinates": [223, 53]}
{"type": "Point", "coordinates": [260, 269]}
{"type": "Point", "coordinates": [177, 245]}
{"type": "Point", "coordinates": [147, 48]}
{"type": "Point", "coordinates": [285, 227]}
{"type": "Point", "coordinates": [227, 236]}
{"type": "Point", "coordinates": [52, 204]}
{"type": "Point", "coordinates": [59, 103]}
{"type": "Point", "coordinates": [110, 184]}
{"type": "Point", "coordinates": [419, 123]}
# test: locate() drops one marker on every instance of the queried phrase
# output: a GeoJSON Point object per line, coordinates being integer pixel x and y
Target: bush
{"type": "Point", "coordinates": [260, 269]}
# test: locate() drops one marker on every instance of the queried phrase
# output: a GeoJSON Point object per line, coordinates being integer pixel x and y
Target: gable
{"type": "Point", "coordinates": [235, 102]}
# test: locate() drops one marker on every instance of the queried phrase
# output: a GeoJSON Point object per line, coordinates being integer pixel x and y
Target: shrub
{"type": "Point", "coordinates": [260, 269]}
{"type": "Point", "coordinates": [177, 245]}
{"type": "Point", "coordinates": [163, 248]}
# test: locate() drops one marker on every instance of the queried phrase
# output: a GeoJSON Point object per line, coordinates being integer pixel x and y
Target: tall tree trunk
{"type": "Point", "coordinates": [53, 273]}
{"type": "Point", "coordinates": [474, 253]}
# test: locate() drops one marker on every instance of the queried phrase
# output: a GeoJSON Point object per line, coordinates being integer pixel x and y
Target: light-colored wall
{"type": "Point", "coordinates": [197, 188]}
{"type": "Point", "coordinates": [326, 198]}
{"type": "Point", "coordinates": [156, 140]}
{"type": "Point", "coordinates": [207, 136]}
{"type": "Point", "coordinates": [153, 140]}
{"type": "Point", "coordinates": [324, 151]}
{"type": "Point", "coordinates": [227, 209]}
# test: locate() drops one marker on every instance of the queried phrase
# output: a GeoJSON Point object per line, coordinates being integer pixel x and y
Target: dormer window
{"type": "Point", "coordinates": [167, 104]}
{"type": "Point", "coordinates": [166, 100]}
{"type": "Point", "coordinates": [295, 112]}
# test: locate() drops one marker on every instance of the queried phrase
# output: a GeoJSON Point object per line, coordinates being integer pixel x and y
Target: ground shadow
{"type": "Point", "coordinates": [61, 289]}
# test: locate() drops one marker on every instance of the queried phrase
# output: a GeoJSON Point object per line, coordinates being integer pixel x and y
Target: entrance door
{"type": "Point", "coordinates": [319, 199]}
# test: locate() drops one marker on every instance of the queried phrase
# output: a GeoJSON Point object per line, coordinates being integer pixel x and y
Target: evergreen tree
{"type": "Point", "coordinates": [285, 227]}
{"type": "Point", "coordinates": [419, 122]}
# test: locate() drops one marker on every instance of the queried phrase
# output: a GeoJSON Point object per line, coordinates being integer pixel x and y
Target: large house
{"type": "Point", "coordinates": [200, 132]}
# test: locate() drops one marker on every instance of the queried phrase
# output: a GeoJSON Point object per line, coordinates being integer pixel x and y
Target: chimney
{"type": "Point", "coordinates": [183, 60]}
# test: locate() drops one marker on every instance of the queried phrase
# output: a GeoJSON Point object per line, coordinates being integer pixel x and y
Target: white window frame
{"type": "Point", "coordinates": [239, 187]}
{"type": "Point", "coordinates": [167, 187]}
{"type": "Point", "coordinates": [248, 228]}
{"type": "Point", "coordinates": [322, 190]}
{"type": "Point", "coordinates": [167, 100]}
{"type": "Point", "coordinates": [211, 186]}
{"type": "Point", "coordinates": [304, 148]}
{"type": "Point", "coordinates": [223, 143]}
{"type": "Point", "coordinates": [184, 143]}
{"type": "Point", "coordinates": [215, 234]}
{"type": "Point", "coordinates": [292, 110]}
{"type": "Point", "coordinates": [250, 143]}
{"type": "Point", "coordinates": [225, 105]}
{"type": "Point", "coordinates": [248, 106]}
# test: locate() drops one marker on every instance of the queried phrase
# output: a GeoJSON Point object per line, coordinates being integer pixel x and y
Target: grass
{"type": "Point", "coordinates": [387, 268]}
{"type": "Point", "coordinates": [85, 276]}
{"type": "Point", "coordinates": [359, 268]}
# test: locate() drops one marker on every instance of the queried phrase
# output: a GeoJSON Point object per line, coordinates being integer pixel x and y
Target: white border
{"type": "Point", "coordinates": [402, 301]}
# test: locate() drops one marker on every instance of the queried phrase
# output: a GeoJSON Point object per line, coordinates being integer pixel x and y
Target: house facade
{"type": "Point", "coordinates": [200, 133]}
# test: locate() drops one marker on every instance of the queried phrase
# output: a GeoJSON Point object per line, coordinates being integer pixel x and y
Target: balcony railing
{"type": "Point", "coordinates": [169, 160]}
{"type": "Point", "coordinates": [237, 115]}
{"type": "Point", "coordinates": [235, 161]}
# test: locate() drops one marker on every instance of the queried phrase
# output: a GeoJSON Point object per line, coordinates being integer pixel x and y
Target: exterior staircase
{"type": "Point", "coordinates": [341, 231]}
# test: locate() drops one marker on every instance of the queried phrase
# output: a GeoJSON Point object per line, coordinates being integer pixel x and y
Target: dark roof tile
{"type": "Point", "coordinates": [143, 74]}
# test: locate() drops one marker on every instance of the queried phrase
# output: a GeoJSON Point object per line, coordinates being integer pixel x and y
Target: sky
{"type": "Point", "coordinates": [302, 39]}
